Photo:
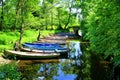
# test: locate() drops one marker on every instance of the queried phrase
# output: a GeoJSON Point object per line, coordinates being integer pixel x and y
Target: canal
{"type": "Point", "coordinates": [79, 64]}
{"type": "Point", "coordinates": [63, 68]}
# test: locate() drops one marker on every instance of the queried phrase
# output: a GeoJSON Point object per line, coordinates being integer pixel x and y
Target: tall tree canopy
{"type": "Point", "coordinates": [38, 13]}
{"type": "Point", "coordinates": [102, 21]}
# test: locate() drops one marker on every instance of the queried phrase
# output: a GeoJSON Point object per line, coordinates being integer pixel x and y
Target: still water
{"type": "Point", "coordinates": [79, 64]}
{"type": "Point", "coordinates": [67, 68]}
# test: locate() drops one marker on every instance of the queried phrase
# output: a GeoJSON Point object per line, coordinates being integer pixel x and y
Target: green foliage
{"type": "Point", "coordinates": [30, 36]}
{"type": "Point", "coordinates": [51, 1]}
{"type": "Point", "coordinates": [37, 13]}
{"type": "Point", "coordinates": [86, 55]}
{"type": "Point", "coordinates": [102, 23]}
{"type": "Point", "coordinates": [9, 72]}
{"type": "Point", "coordinates": [8, 38]}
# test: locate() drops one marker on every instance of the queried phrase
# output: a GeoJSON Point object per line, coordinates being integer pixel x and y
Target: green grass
{"type": "Point", "coordinates": [7, 39]}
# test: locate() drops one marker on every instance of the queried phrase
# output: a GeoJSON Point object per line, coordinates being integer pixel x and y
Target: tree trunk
{"type": "Point", "coordinates": [51, 20]}
{"type": "Point", "coordinates": [59, 25]}
{"type": "Point", "coordinates": [16, 15]}
{"type": "Point", "coordinates": [46, 22]}
{"type": "Point", "coordinates": [1, 22]}
{"type": "Point", "coordinates": [23, 8]}
{"type": "Point", "coordinates": [22, 28]}
{"type": "Point", "coordinates": [38, 37]}
{"type": "Point", "coordinates": [69, 16]}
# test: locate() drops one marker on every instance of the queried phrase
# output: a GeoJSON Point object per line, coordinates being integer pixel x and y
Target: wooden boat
{"type": "Point", "coordinates": [44, 51]}
{"type": "Point", "coordinates": [66, 34]}
{"type": "Point", "coordinates": [35, 50]}
{"type": "Point", "coordinates": [29, 55]}
{"type": "Point", "coordinates": [56, 37]}
{"type": "Point", "coordinates": [69, 35]}
{"type": "Point", "coordinates": [61, 42]}
{"type": "Point", "coordinates": [40, 47]}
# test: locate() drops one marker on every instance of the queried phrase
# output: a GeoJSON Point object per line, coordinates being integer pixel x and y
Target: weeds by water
{"type": "Point", "coordinates": [9, 72]}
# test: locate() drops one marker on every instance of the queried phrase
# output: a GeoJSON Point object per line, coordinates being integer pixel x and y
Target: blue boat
{"type": "Point", "coordinates": [66, 34]}
{"type": "Point", "coordinates": [45, 47]}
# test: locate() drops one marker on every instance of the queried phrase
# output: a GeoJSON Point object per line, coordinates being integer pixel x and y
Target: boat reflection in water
{"type": "Point", "coordinates": [54, 69]}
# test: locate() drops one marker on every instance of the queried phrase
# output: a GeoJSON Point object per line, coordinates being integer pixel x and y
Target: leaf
{"type": "Point", "coordinates": [51, 1]}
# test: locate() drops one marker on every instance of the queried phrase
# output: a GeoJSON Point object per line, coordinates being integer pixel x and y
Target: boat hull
{"type": "Point", "coordinates": [61, 42]}
{"type": "Point", "coordinates": [56, 37]}
{"type": "Point", "coordinates": [29, 55]}
{"type": "Point", "coordinates": [49, 51]}
{"type": "Point", "coordinates": [43, 47]}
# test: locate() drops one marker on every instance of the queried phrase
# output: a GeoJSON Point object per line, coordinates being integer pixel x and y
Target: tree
{"type": "Point", "coordinates": [102, 23]}
{"type": "Point", "coordinates": [23, 11]}
{"type": "Point", "coordinates": [16, 14]}
{"type": "Point", "coordinates": [39, 13]}
{"type": "Point", "coordinates": [1, 20]}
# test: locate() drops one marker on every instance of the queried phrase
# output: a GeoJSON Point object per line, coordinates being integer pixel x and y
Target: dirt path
{"type": "Point", "coordinates": [4, 61]}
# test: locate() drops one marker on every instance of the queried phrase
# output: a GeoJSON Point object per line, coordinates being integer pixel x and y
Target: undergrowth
{"type": "Point", "coordinates": [9, 72]}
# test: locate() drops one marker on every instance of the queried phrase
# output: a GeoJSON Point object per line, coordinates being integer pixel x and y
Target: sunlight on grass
{"type": "Point", "coordinates": [8, 39]}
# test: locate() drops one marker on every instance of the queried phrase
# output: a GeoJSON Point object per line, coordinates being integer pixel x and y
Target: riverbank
{"type": "Point", "coordinates": [9, 38]}
{"type": "Point", "coordinates": [4, 61]}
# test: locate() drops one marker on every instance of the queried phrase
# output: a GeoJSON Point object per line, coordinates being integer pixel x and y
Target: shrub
{"type": "Point", "coordinates": [9, 72]}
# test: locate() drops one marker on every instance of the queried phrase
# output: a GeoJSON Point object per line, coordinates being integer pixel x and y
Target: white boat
{"type": "Point", "coordinates": [30, 55]}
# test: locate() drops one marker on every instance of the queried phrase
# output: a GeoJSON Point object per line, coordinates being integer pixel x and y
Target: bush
{"type": "Point", "coordinates": [9, 72]}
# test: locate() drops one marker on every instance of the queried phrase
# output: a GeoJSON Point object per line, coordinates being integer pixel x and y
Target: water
{"type": "Point", "coordinates": [75, 51]}
{"type": "Point", "coordinates": [80, 64]}
{"type": "Point", "coordinates": [54, 69]}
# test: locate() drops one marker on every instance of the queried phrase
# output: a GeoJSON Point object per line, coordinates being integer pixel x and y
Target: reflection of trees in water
{"type": "Point", "coordinates": [92, 69]}
{"type": "Point", "coordinates": [85, 67]}
{"type": "Point", "coordinates": [48, 70]}
{"type": "Point", "coordinates": [35, 71]}
{"type": "Point", "coordinates": [75, 50]}
{"type": "Point", "coordinates": [74, 64]}
{"type": "Point", "coordinates": [99, 70]}
{"type": "Point", "coordinates": [28, 71]}
{"type": "Point", "coordinates": [71, 67]}
{"type": "Point", "coordinates": [52, 69]}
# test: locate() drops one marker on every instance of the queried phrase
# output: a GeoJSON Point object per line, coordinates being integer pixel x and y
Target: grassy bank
{"type": "Point", "coordinates": [7, 39]}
